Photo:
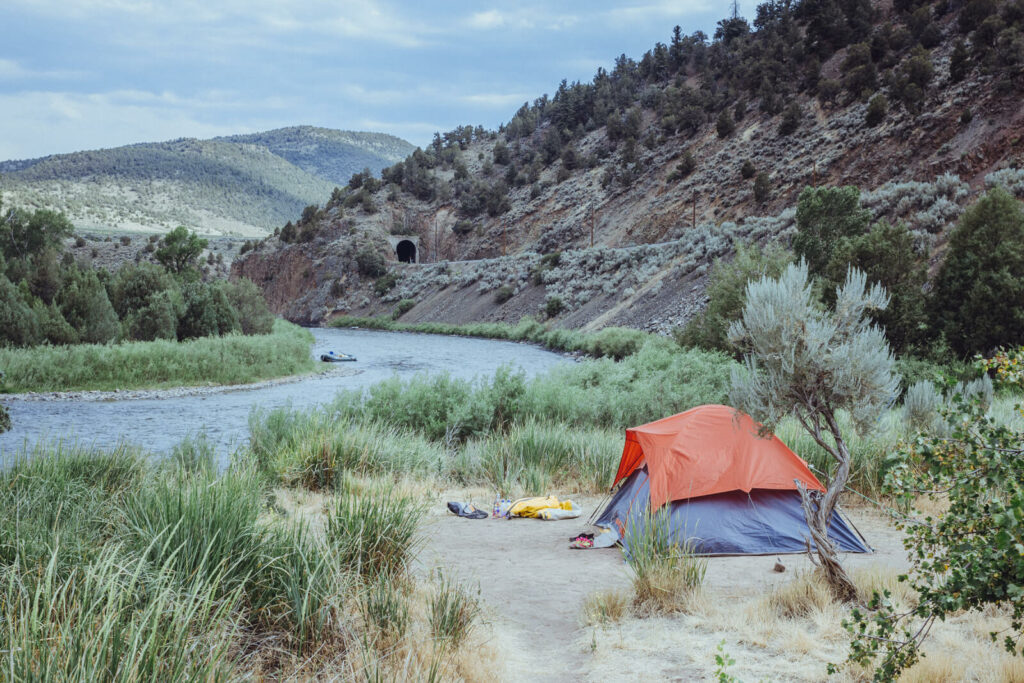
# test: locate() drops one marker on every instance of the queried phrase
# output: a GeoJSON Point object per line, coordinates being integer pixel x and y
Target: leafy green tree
{"type": "Point", "coordinates": [208, 312]}
{"type": "Point", "coordinates": [825, 215]}
{"type": "Point", "coordinates": [18, 323]}
{"type": "Point", "coordinates": [247, 299]}
{"type": "Point", "coordinates": [179, 250]}
{"type": "Point", "coordinates": [53, 328]}
{"type": "Point", "coordinates": [887, 257]}
{"type": "Point", "coordinates": [810, 362]}
{"type": "Point", "coordinates": [84, 304]}
{"type": "Point", "coordinates": [158, 319]}
{"type": "Point", "coordinates": [133, 287]}
{"type": "Point", "coordinates": [978, 297]}
{"type": "Point", "coordinates": [726, 292]}
{"type": "Point", "coordinates": [967, 558]}
{"type": "Point", "coordinates": [24, 233]}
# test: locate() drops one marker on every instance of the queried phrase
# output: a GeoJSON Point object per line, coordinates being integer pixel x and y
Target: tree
{"type": "Point", "coordinates": [979, 290]}
{"type": "Point", "coordinates": [725, 124]}
{"type": "Point", "coordinates": [824, 215]}
{"type": "Point", "coordinates": [179, 250]}
{"type": "Point", "coordinates": [23, 234]}
{"type": "Point", "coordinates": [726, 292]}
{"type": "Point", "coordinates": [84, 304]}
{"type": "Point", "coordinates": [967, 558]}
{"type": "Point", "coordinates": [246, 298]}
{"type": "Point", "coordinates": [810, 362]}
{"type": "Point", "coordinates": [207, 313]}
{"type": "Point", "coordinates": [762, 187]}
{"type": "Point", "coordinates": [887, 257]}
{"type": "Point", "coordinates": [790, 119]}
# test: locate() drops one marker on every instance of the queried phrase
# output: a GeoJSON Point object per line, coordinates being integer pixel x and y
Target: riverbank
{"type": "Point", "coordinates": [177, 392]}
{"type": "Point", "coordinates": [611, 342]}
{"type": "Point", "coordinates": [162, 364]}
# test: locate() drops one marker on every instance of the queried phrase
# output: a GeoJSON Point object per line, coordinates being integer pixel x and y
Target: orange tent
{"type": "Point", "coordinates": [707, 450]}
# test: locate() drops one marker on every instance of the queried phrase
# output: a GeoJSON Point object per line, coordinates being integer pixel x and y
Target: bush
{"type": "Point", "coordinates": [553, 306]}
{"type": "Point", "coordinates": [254, 316]}
{"type": "Point", "coordinates": [666, 573]}
{"type": "Point", "coordinates": [825, 215]}
{"type": "Point", "coordinates": [762, 188]}
{"type": "Point", "coordinates": [725, 125]}
{"type": "Point", "coordinates": [133, 287]}
{"type": "Point", "coordinates": [748, 170]}
{"type": "Point", "coordinates": [403, 307]}
{"type": "Point", "coordinates": [878, 107]}
{"type": "Point", "coordinates": [369, 262]}
{"type": "Point", "coordinates": [158, 319]}
{"type": "Point", "coordinates": [790, 119]}
{"type": "Point", "coordinates": [385, 283]}
{"type": "Point", "coordinates": [921, 407]}
{"type": "Point", "coordinates": [685, 167]}
{"type": "Point", "coordinates": [503, 294]}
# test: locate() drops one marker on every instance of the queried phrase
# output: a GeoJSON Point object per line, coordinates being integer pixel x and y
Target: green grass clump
{"type": "Point", "coordinates": [316, 449]}
{"type": "Point", "coordinates": [231, 359]}
{"type": "Point", "coordinates": [666, 573]}
{"type": "Point", "coordinates": [375, 535]}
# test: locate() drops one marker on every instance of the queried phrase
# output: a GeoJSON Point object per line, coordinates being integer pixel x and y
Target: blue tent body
{"type": "Point", "coordinates": [762, 522]}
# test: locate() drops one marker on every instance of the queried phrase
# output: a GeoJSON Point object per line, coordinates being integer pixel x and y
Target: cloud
{"type": "Point", "coordinates": [11, 70]}
{"type": "Point", "coordinates": [57, 122]}
{"type": "Point", "coordinates": [494, 100]}
{"type": "Point", "coordinates": [680, 10]}
{"type": "Point", "coordinates": [521, 18]}
{"type": "Point", "coordinates": [483, 21]}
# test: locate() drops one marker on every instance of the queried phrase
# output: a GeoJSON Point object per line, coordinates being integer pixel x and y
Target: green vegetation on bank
{"type": "Point", "coordinates": [612, 342]}
{"type": "Point", "coordinates": [229, 359]}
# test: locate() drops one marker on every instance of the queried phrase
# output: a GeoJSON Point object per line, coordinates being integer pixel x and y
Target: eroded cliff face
{"type": "Point", "coordinates": [285, 276]}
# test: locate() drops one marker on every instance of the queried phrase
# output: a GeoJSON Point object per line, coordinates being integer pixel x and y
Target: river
{"type": "Point", "coordinates": [158, 424]}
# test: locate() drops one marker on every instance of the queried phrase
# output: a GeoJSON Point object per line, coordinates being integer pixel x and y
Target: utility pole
{"type": "Point", "coordinates": [435, 239]}
{"type": "Point", "coordinates": [814, 174]}
{"type": "Point", "coordinates": [504, 223]}
{"type": "Point", "coordinates": [695, 209]}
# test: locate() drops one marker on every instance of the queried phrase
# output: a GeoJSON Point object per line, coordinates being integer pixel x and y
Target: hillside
{"type": "Point", "coordinates": [333, 155]}
{"type": "Point", "coordinates": [698, 143]}
{"type": "Point", "coordinates": [245, 185]}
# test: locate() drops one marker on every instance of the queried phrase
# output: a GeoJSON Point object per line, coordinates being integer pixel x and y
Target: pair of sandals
{"type": "Point", "coordinates": [582, 542]}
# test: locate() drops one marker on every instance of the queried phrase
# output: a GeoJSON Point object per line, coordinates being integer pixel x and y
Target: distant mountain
{"type": "Point", "coordinates": [244, 185]}
{"type": "Point", "coordinates": [330, 154]}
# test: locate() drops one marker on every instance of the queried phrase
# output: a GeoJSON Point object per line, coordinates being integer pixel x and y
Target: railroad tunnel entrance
{"type": "Point", "coordinates": [406, 251]}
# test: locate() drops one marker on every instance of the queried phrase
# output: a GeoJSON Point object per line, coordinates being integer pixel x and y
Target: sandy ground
{"type": "Point", "coordinates": [534, 587]}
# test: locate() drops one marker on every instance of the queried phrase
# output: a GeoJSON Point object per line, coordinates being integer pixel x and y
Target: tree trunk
{"type": "Point", "coordinates": [818, 509]}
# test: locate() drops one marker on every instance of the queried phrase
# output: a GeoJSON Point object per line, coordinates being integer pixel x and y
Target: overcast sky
{"type": "Point", "coordinates": [85, 74]}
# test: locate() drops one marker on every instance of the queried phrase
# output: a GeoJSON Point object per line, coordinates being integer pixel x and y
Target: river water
{"type": "Point", "coordinates": [158, 424]}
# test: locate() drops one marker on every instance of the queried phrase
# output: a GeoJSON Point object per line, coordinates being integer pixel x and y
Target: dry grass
{"type": "Point", "coordinates": [790, 633]}
{"type": "Point", "coordinates": [606, 607]}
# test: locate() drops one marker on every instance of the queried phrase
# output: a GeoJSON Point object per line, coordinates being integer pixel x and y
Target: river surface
{"type": "Point", "coordinates": [158, 424]}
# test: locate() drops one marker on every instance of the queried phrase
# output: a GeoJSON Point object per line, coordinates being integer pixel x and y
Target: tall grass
{"type": "Point", "coordinates": [114, 620]}
{"type": "Point", "coordinates": [375, 535]}
{"type": "Point", "coordinates": [232, 359]}
{"type": "Point", "coordinates": [315, 449]}
{"type": "Point", "coordinates": [666, 573]}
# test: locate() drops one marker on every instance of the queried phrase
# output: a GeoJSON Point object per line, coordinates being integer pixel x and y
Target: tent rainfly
{"type": "Point", "coordinates": [727, 490]}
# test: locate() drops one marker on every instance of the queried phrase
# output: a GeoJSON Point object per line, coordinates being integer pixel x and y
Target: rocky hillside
{"type": "Point", "coordinates": [242, 185]}
{"type": "Point", "coordinates": [632, 184]}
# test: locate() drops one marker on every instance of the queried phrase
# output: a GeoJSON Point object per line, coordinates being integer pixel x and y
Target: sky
{"type": "Point", "coordinates": [88, 74]}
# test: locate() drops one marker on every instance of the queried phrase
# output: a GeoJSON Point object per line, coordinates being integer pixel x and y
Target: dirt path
{"type": "Point", "coordinates": [534, 585]}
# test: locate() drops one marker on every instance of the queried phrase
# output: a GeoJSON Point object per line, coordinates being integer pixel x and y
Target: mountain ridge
{"type": "Point", "coordinates": [228, 185]}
